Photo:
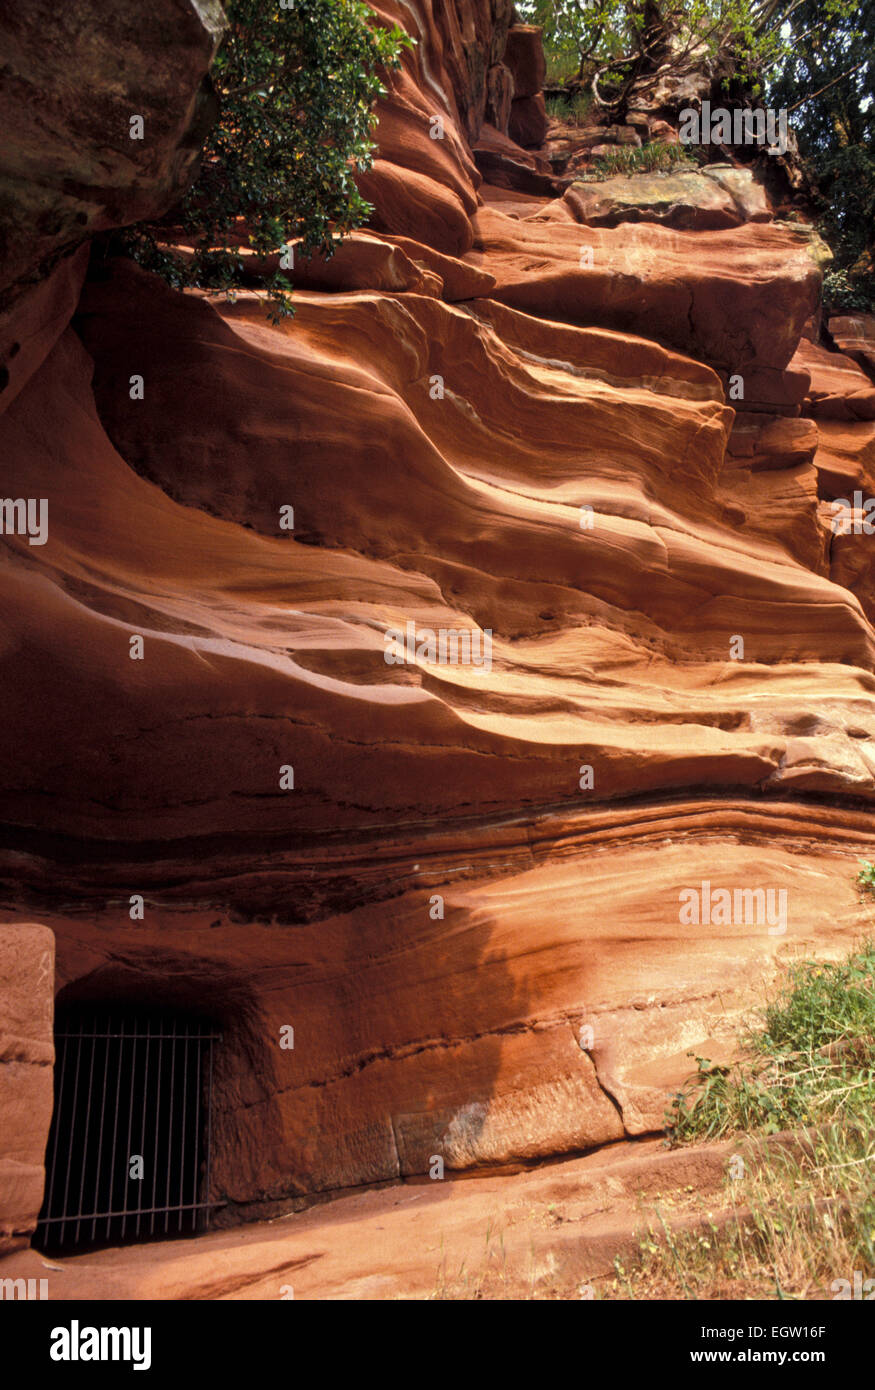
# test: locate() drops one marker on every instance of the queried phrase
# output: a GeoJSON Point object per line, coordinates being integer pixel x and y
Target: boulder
{"type": "Point", "coordinates": [362, 261]}
{"type": "Point", "coordinates": [27, 970]}
{"type": "Point", "coordinates": [854, 334]}
{"type": "Point", "coordinates": [839, 389]}
{"type": "Point", "coordinates": [736, 298]}
{"type": "Point", "coordinates": [72, 94]}
{"type": "Point", "coordinates": [412, 204]}
{"type": "Point", "coordinates": [773, 441]}
{"type": "Point", "coordinates": [528, 121]}
{"type": "Point", "coordinates": [621, 135]}
{"type": "Point", "coordinates": [686, 199]}
{"type": "Point", "coordinates": [504, 164]}
{"type": "Point", "coordinates": [767, 389]}
{"type": "Point", "coordinates": [458, 280]}
{"type": "Point", "coordinates": [499, 95]}
{"type": "Point", "coordinates": [524, 58]}
{"type": "Point", "coordinates": [662, 133]}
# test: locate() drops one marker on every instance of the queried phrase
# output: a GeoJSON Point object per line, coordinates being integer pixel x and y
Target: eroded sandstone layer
{"type": "Point", "coordinates": [601, 429]}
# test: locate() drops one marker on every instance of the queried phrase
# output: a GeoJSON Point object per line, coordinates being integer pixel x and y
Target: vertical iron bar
{"type": "Point", "coordinates": [182, 1138]}
{"type": "Point", "coordinates": [127, 1160]}
{"type": "Point", "coordinates": [50, 1200]}
{"type": "Point", "coordinates": [170, 1133]}
{"type": "Point", "coordinates": [142, 1144]}
{"type": "Point", "coordinates": [72, 1129]}
{"type": "Point", "coordinates": [208, 1208]}
{"type": "Point", "coordinates": [118, 1084]}
{"type": "Point", "coordinates": [96, 1206]}
{"type": "Point", "coordinates": [198, 1080]}
{"type": "Point", "coordinates": [157, 1127]}
{"type": "Point", "coordinates": [87, 1135]}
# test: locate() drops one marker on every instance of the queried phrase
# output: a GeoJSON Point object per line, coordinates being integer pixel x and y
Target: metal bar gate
{"type": "Point", "coordinates": [128, 1156]}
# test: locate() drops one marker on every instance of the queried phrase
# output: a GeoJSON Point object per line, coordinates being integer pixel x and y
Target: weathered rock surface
{"type": "Point", "coordinates": [34, 322]}
{"type": "Point", "coordinates": [855, 335]}
{"type": "Point", "coordinates": [839, 389]}
{"type": "Point", "coordinates": [423, 183]}
{"type": "Point", "coordinates": [550, 1232]}
{"type": "Point", "coordinates": [264, 649]}
{"type": "Point", "coordinates": [472, 35]}
{"type": "Point", "coordinates": [528, 123]}
{"type": "Point", "coordinates": [27, 972]}
{"type": "Point", "coordinates": [737, 298]}
{"type": "Point", "coordinates": [713, 199]}
{"type": "Point", "coordinates": [436, 1036]}
{"type": "Point", "coordinates": [542, 1233]}
{"type": "Point", "coordinates": [490, 419]}
{"type": "Point", "coordinates": [504, 164]}
{"type": "Point", "coordinates": [68, 163]}
{"type": "Point", "coordinates": [524, 57]}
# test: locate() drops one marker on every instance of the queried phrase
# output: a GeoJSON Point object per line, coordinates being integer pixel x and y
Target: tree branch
{"type": "Point", "coordinates": [841, 77]}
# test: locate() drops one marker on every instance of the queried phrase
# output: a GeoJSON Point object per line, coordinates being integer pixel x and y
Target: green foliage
{"type": "Point", "coordinates": [843, 296]}
{"type": "Point", "coordinates": [576, 108]}
{"type": "Point", "coordinates": [296, 88]}
{"type": "Point", "coordinates": [816, 58]}
{"type": "Point", "coordinates": [811, 1062]}
{"type": "Point", "coordinates": [558, 108]}
{"type": "Point", "coordinates": [648, 159]}
{"type": "Point", "coordinates": [611, 39]}
{"type": "Point", "coordinates": [866, 876]}
{"type": "Point", "coordinates": [581, 108]}
{"type": "Point", "coordinates": [796, 1223]}
{"type": "Point", "coordinates": [561, 59]}
{"type": "Point", "coordinates": [798, 1216]}
{"type": "Point", "coordinates": [829, 77]}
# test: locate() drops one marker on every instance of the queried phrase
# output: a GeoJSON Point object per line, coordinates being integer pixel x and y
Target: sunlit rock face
{"type": "Point", "coordinates": [713, 199]}
{"type": "Point", "coordinates": [27, 955]}
{"type": "Point", "coordinates": [424, 661]}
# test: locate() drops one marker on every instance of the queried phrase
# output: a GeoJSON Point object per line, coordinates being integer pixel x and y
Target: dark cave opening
{"type": "Point", "coordinates": [128, 1154]}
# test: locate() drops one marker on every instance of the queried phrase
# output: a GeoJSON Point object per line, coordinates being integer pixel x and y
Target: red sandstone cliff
{"type": "Point", "coordinates": [508, 407]}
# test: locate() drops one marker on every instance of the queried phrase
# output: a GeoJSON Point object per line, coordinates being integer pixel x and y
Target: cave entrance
{"type": "Point", "coordinates": [128, 1155]}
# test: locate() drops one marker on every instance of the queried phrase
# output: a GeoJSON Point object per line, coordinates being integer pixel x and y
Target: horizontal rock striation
{"type": "Point", "coordinates": [584, 425]}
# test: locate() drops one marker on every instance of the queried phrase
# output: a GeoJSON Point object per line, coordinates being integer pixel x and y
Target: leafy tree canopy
{"type": "Point", "coordinates": [615, 39]}
{"type": "Point", "coordinates": [826, 79]}
{"type": "Point", "coordinates": [296, 83]}
{"type": "Point", "coordinates": [612, 38]}
{"type": "Point", "coordinates": [816, 58]}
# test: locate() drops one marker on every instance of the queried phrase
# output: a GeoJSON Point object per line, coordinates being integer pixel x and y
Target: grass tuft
{"type": "Point", "coordinates": [650, 158]}
{"type": "Point", "coordinates": [811, 1062]}
{"type": "Point", "coordinates": [796, 1218]}
{"type": "Point", "coordinates": [575, 110]}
